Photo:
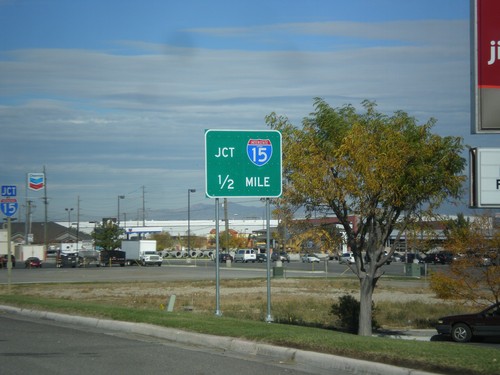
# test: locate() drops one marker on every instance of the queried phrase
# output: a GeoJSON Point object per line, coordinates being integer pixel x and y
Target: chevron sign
{"type": "Point", "coordinates": [36, 181]}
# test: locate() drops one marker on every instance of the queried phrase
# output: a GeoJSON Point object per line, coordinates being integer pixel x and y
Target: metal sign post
{"type": "Point", "coordinates": [9, 255]}
{"type": "Point", "coordinates": [8, 205]}
{"type": "Point", "coordinates": [217, 260]}
{"type": "Point", "coordinates": [269, 317]}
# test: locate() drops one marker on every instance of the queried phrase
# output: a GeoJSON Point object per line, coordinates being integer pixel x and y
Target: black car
{"type": "Point", "coordinates": [442, 257]}
{"type": "Point", "coordinates": [224, 257]}
{"type": "Point", "coordinates": [67, 260]}
{"type": "Point", "coordinates": [4, 259]}
{"type": "Point", "coordinates": [463, 328]}
{"type": "Point", "coordinates": [261, 257]}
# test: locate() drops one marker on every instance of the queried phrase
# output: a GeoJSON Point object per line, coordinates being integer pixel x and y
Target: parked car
{"type": "Point", "coordinates": [67, 260]}
{"type": "Point", "coordinates": [431, 258]}
{"type": "Point", "coordinates": [475, 259]}
{"type": "Point", "coordinates": [333, 256]}
{"type": "Point", "coordinates": [224, 257]}
{"type": "Point", "coordinates": [397, 257]}
{"type": "Point", "coordinates": [245, 255]}
{"type": "Point", "coordinates": [261, 257]}
{"type": "Point", "coordinates": [368, 260]}
{"type": "Point", "coordinates": [3, 261]}
{"type": "Point", "coordinates": [463, 328]}
{"type": "Point", "coordinates": [347, 258]}
{"type": "Point", "coordinates": [111, 257]}
{"type": "Point", "coordinates": [33, 262]}
{"type": "Point", "coordinates": [482, 260]}
{"type": "Point", "coordinates": [441, 257]}
{"type": "Point", "coordinates": [310, 258]}
{"type": "Point", "coordinates": [410, 257]}
{"type": "Point", "coordinates": [282, 256]}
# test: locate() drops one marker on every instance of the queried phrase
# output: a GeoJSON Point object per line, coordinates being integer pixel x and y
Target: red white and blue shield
{"type": "Point", "coordinates": [259, 151]}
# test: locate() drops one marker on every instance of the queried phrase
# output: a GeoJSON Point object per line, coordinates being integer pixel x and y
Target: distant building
{"type": "Point", "coordinates": [56, 234]}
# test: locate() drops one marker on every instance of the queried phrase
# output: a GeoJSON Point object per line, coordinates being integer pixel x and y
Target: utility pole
{"type": "Point", "coordinates": [27, 224]}
{"type": "Point", "coordinates": [143, 206]}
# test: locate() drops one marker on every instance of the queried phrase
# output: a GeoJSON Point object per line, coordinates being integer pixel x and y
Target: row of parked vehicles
{"type": "Point", "coordinates": [252, 255]}
{"type": "Point", "coordinates": [440, 257]}
{"type": "Point", "coordinates": [447, 257]}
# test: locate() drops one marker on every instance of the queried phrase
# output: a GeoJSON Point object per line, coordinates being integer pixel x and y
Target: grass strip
{"type": "Point", "coordinates": [441, 357]}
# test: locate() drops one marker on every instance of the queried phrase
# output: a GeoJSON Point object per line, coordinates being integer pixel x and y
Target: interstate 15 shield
{"type": "Point", "coordinates": [259, 151]}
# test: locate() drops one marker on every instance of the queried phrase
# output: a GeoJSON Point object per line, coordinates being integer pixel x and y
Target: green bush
{"type": "Point", "coordinates": [347, 312]}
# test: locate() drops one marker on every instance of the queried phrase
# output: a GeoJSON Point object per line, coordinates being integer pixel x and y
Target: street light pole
{"type": "Point", "coordinates": [189, 219]}
{"type": "Point", "coordinates": [118, 216]}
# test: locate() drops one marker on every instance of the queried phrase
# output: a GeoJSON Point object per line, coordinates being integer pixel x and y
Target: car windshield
{"type": "Point", "coordinates": [492, 310]}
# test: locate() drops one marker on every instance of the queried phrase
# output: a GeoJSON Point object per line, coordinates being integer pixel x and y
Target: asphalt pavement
{"type": "Point", "coordinates": [242, 347]}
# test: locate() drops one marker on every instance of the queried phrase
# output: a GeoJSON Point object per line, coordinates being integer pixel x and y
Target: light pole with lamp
{"type": "Point", "coordinates": [118, 216]}
{"type": "Point", "coordinates": [189, 219]}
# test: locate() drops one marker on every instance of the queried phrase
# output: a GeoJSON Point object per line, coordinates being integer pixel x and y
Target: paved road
{"type": "Point", "coordinates": [179, 270]}
{"type": "Point", "coordinates": [33, 346]}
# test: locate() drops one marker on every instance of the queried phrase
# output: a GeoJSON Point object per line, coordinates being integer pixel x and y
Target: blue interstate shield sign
{"type": "Point", "coordinates": [8, 206]}
{"type": "Point", "coordinates": [259, 151]}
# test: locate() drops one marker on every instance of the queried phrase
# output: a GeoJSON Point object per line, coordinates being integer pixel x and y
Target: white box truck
{"type": "Point", "coordinates": [141, 252]}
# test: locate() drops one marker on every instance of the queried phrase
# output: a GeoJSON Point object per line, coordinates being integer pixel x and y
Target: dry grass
{"type": "Point", "coordinates": [399, 304]}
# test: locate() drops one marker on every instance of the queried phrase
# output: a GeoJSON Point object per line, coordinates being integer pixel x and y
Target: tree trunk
{"type": "Point", "coordinates": [365, 305]}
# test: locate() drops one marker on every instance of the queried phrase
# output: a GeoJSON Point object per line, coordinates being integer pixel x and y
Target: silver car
{"type": "Point", "coordinates": [346, 258]}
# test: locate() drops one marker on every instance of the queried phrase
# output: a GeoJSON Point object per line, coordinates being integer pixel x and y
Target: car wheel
{"type": "Point", "coordinates": [461, 333]}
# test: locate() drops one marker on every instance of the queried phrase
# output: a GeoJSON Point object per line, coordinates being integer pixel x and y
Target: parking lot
{"type": "Point", "coordinates": [186, 269]}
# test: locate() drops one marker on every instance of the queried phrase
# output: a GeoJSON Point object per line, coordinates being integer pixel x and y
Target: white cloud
{"type": "Point", "coordinates": [138, 119]}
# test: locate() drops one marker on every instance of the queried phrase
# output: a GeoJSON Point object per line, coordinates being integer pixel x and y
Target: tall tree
{"type": "Point", "coordinates": [163, 240]}
{"type": "Point", "coordinates": [107, 236]}
{"type": "Point", "coordinates": [382, 169]}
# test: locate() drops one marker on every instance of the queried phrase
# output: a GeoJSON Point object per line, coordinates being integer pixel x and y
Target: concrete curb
{"type": "Point", "coordinates": [286, 355]}
{"type": "Point", "coordinates": [414, 334]}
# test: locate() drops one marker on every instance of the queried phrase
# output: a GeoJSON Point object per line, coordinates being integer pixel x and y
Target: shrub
{"type": "Point", "coordinates": [347, 312]}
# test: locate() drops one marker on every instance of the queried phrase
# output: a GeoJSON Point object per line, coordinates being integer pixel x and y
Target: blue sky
{"type": "Point", "coordinates": [112, 95]}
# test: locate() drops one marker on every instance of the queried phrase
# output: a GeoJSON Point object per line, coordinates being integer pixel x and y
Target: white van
{"type": "Point", "coordinates": [245, 255]}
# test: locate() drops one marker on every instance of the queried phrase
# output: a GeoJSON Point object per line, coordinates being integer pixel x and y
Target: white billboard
{"type": "Point", "coordinates": [485, 177]}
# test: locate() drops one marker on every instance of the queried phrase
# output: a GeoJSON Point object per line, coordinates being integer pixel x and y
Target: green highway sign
{"type": "Point", "coordinates": [243, 163]}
